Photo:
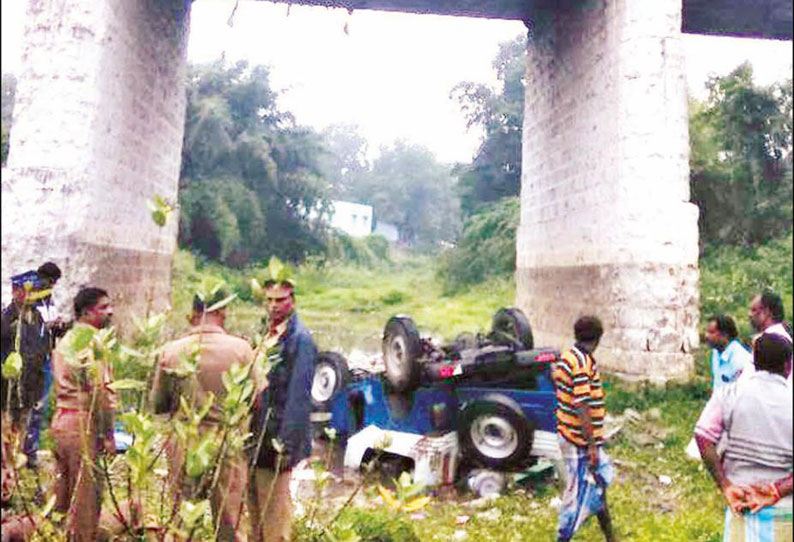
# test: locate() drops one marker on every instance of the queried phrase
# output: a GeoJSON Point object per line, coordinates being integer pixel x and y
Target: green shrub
{"type": "Point", "coordinates": [393, 297]}
{"type": "Point", "coordinates": [380, 525]}
{"type": "Point", "coordinates": [487, 247]}
{"type": "Point", "coordinates": [379, 246]}
{"type": "Point", "coordinates": [366, 251]}
{"type": "Point", "coordinates": [731, 275]}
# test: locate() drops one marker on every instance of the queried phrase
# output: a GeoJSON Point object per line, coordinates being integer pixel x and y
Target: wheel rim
{"type": "Point", "coordinates": [396, 359]}
{"type": "Point", "coordinates": [494, 437]}
{"type": "Point", "coordinates": [324, 383]}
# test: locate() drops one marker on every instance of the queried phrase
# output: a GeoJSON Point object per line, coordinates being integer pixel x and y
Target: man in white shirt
{"type": "Point", "coordinates": [766, 316]}
{"type": "Point", "coordinates": [754, 416]}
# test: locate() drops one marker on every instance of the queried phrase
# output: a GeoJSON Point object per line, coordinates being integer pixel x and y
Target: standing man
{"type": "Point", "coordinates": [27, 319]}
{"type": "Point", "coordinates": [218, 351]}
{"type": "Point", "coordinates": [580, 419]}
{"type": "Point", "coordinates": [52, 328]}
{"type": "Point", "coordinates": [755, 472]}
{"type": "Point", "coordinates": [85, 408]}
{"type": "Point", "coordinates": [729, 357]}
{"type": "Point", "coordinates": [766, 316]}
{"type": "Point", "coordinates": [729, 360]}
{"type": "Point", "coordinates": [282, 414]}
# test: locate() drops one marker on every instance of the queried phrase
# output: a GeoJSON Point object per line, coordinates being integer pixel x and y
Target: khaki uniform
{"type": "Point", "coordinates": [83, 418]}
{"type": "Point", "coordinates": [219, 351]}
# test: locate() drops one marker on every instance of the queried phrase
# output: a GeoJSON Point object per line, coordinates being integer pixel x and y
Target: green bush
{"type": "Point", "coordinates": [377, 525]}
{"type": "Point", "coordinates": [364, 251]}
{"type": "Point", "coordinates": [487, 247]}
{"type": "Point", "coordinates": [393, 297]}
{"type": "Point", "coordinates": [379, 246]}
{"type": "Point", "coordinates": [730, 276]}
{"type": "Point", "coordinates": [380, 525]}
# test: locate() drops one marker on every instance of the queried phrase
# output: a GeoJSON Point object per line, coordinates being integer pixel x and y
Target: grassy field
{"type": "Point", "coordinates": [346, 308]}
{"type": "Point", "coordinates": [658, 494]}
{"type": "Point", "coordinates": [644, 509]}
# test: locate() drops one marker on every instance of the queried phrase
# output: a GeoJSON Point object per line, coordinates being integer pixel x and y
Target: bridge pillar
{"type": "Point", "coordinates": [606, 224]}
{"type": "Point", "coordinates": [97, 131]}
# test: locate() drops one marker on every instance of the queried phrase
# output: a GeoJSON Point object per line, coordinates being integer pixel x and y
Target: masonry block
{"type": "Point", "coordinates": [606, 223]}
{"type": "Point", "coordinates": [97, 133]}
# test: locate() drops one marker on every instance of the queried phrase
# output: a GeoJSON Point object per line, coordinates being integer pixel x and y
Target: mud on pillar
{"type": "Point", "coordinates": [98, 125]}
{"type": "Point", "coordinates": [606, 223]}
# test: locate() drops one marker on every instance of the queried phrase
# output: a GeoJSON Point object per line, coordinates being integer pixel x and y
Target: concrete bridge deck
{"type": "Point", "coordinates": [745, 18]}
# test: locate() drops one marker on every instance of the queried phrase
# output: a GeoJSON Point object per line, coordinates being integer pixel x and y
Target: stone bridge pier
{"type": "Point", "coordinates": [98, 124]}
{"type": "Point", "coordinates": [606, 224]}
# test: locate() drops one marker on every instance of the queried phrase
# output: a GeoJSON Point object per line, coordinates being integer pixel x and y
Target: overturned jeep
{"type": "Point", "coordinates": [493, 391]}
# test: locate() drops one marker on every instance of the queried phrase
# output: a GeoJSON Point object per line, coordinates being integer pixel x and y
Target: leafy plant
{"type": "Point", "coordinates": [486, 249]}
{"type": "Point", "coordinates": [160, 209]}
{"type": "Point", "coordinates": [406, 496]}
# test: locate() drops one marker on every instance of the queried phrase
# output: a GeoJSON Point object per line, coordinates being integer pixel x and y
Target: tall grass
{"type": "Point", "coordinates": [346, 305]}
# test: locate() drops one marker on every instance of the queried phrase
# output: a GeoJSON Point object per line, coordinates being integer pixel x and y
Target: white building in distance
{"type": "Point", "coordinates": [355, 219]}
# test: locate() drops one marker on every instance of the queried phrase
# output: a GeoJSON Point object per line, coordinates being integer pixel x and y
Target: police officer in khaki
{"type": "Point", "coordinates": [218, 351]}
{"type": "Point", "coordinates": [84, 417]}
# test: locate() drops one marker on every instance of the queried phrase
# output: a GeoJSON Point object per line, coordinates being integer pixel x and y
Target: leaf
{"type": "Point", "coordinates": [222, 303]}
{"type": "Point", "coordinates": [256, 289]}
{"type": "Point", "coordinates": [80, 338]}
{"type": "Point", "coordinates": [275, 268]}
{"type": "Point", "coordinates": [160, 210]}
{"type": "Point", "coordinates": [198, 459]}
{"type": "Point", "coordinates": [12, 366]}
{"type": "Point", "coordinates": [388, 497]}
{"type": "Point", "coordinates": [131, 352]}
{"type": "Point", "coordinates": [207, 405]}
{"type": "Point", "coordinates": [278, 271]}
{"type": "Point", "coordinates": [416, 504]}
{"type": "Point", "coordinates": [20, 460]}
{"type": "Point", "coordinates": [48, 506]}
{"type": "Point", "coordinates": [127, 384]}
{"type": "Point", "coordinates": [193, 512]}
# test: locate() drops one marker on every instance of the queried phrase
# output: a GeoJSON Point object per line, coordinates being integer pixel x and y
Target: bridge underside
{"type": "Point", "coordinates": [770, 19]}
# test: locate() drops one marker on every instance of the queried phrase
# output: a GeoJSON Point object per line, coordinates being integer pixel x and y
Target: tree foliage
{"type": "Point", "coordinates": [495, 172]}
{"type": "Point", "coordinates": [345, 163]}
{"type": "Point", "coordinates": [741, 159]}
{"type": "Point", "coordinates": [250, 176]}
{"type": "Point", "coordinates": [490, 185]}
{"type": "Point", "coordinates": [405, 185]}
{"type": "Point", "coordinates": [487, 247]}
{"type": "Point", "coordinates": [410, 189]}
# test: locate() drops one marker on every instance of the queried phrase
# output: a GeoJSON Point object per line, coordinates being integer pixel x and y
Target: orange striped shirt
{"type": "Point", "coordinates": [578, 384]}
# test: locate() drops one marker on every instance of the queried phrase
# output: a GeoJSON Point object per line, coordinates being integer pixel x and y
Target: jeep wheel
{"type": "Point", "coordinates": [494, 433]}
{"type": "Point", "coordinates": [330, 374]}
{"type": "Point", "coordinates": [401, 351]}
{"type": "Point", "coordinates": [511, 327]}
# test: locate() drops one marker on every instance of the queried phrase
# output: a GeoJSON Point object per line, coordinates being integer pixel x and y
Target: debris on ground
{"type": "Point", "coordinates": [490, 515]}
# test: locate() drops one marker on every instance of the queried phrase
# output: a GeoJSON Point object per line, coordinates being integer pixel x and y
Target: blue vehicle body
{"type": "Point", "coordinates": [433, 408]}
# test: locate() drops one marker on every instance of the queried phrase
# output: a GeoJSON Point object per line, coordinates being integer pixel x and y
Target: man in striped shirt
{"type": "Point", "coordinates": [580, 420]}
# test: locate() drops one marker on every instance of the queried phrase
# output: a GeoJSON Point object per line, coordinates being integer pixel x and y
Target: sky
{"type": "Point", "coordinates": [389, 73]}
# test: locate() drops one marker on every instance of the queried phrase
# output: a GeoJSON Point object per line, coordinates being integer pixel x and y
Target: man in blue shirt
{"type": "Point", "coordinates": [282, 414]}
{"type": "Point", "coordinates": [729, 357]}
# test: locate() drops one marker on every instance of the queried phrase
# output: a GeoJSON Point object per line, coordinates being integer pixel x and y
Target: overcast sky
{"type": "Point", "coordinates": [390, 73]}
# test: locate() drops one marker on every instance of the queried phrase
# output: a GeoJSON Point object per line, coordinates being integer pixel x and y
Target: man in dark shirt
{"type": "Point", "coordinates": [282, 412]}
{"type": "Point", "coordinates": [29, 318]}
